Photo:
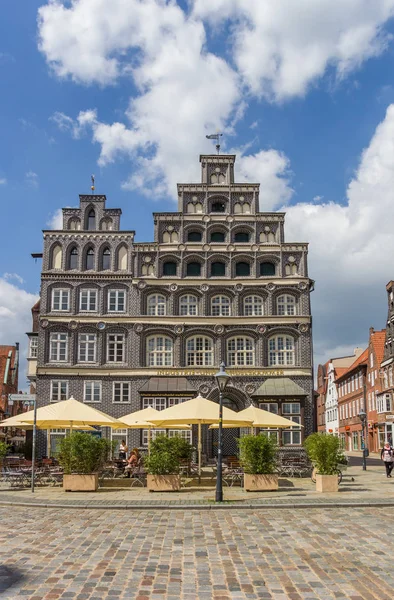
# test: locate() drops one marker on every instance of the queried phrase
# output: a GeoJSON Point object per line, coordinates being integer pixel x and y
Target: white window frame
{"type": "Point", "coordinates": [87, 348]}
{"type": "Point", "coordinates": [158, 403]}
{"type": "Point", "coordinates": [286, 305]}
{"type": "Point", "coordinates": [272, 407]}
{"type": "Point", "coordinates": [60, 296]}
{"type": "Point", "coordinates": [118, 389]}
{"type": "Point", "coordinates": [188, 305]}
{"type": "Point", "coordinates": [199, 351]}
{"type": "Point", "coordinates": [96, 386]}
{"type": "Point", "coordinates": [56, 393]}
{"type": "Point", "coordinates": [157, 305]}
{"type": "Point", "coordinates": [114, 300]}
{"type": "Point", "coordinates": [33, 346]}
{"type": "Point", "coordinates": [222, 306]}
{"type": "Point", "coordinates": [159, 351]}
{"type": "Point", "coordinates": [118, 341]}
{"type": "Point", "coordinates": [281, 350]}
{"type": "Point", "coordinates": [90, 294]}
{"type": "Point", "coordinates": [58, 347]}
{"type": "Point", "coordinates": [117, 435]}
{"type": "Point", "coordinates": [293, 434]}
{"type": "Point", "coordinates": [253, 306]}
{"type": "Point", "coordinates": [240, 351]}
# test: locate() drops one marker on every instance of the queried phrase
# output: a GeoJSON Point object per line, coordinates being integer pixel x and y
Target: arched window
{"type": "Point", "coordinates": [253, 306]}
{"type": "Point", "coordinates": [74, 224]}
{"type": "Point", "coordinates": [56, 260]}
{"type": "Point", "coordinates": [266, 237]}
{"type": "Point", "coordinates": [242, 237]}
{"type": "Point", "coordinates": [106, 260]}
{"type": "Point", "coordinates": [246, 208]}
{"type": "Point", "coordinates": [218, 178]}
{"type": "Point", "coordinates": [122, 259]}
{"type": "Point", "coordinates": [194, 236]}
{"type": "Point", "coordinates": [193, 269]}
{"type": "Point", "coordinates": [199, 352]}
{"type": "Point", "coordinates": [220, 306]}
{"type": "Point", "coordinates": [219, 206]}
{"type": "Point", "coordinates": [169, 268]}
{"type": "Point", "coordinates": [286, 305]}
{"type": "Point", "coordinates": [170, 237]}
{"type": "Point", "coordinates": [217, 236]}
{"type": "Point", "coordinates": [242, 269]}
{"type": "Point", "coordinates": [199, 207]}
{"type": "Point", "coordinates": [281, 350]}
{"type": "Point", "coordinates": [240, 352]}
{"type": "Point", "coordinates": [156, 305]}
{"type": "Point", "coordinates": [89, 260]}
{"type": "Point", "coordinates": [73, 259]}
{"type": "Point", "coordinates": [267, 269]}
{"type": "Point", "coordinates": [237, 208]}
{"type": "Point", "coordinates": [188, 305]}
{"type": "Point", "coordinates": [148, 270]}
{"type": "Point", "coordinates": [218, 269]}
{"type": "Point", "coordinates": [106, 225]}
{"type": "Point", "coordinates": [159, 351]}
{"type": "Point", "coordinates": [91, 220]}
{"type": "Point", "coordinates": [291, 269]}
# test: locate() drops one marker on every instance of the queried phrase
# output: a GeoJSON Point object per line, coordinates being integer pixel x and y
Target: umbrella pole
{"type": "Point", "coordinates": [48, 443]}
{"type": "Point", "coordinates": [199, 452]}
{"type": "Point", "coordinates": [149, 439]}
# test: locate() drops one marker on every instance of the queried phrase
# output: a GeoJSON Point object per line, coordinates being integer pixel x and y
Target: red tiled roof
{"type": "Point", "coordinates": [340, 371]}
{"type": "Point", "coordinates": [378, 339]}
{"type": "Point", "coordinates": [360, 360]}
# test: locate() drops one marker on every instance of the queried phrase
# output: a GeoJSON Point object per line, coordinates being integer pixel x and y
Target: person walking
{"type": "Point", "coordinates": [387, 456]}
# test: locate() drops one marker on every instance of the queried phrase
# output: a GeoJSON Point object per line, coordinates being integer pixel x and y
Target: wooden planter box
{"type": "Point", "coordinates": [80, 483]}
{"type": "Point", "coordinates": [164, 483]}
{"type": "Point", "coordinates": [326, 483]}
{"type": "Point", "coordinates": [260, 483]}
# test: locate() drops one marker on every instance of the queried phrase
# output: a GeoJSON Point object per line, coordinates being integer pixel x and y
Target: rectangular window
{"type": "Point", "coordinates": [115, 348]}
{"type": "Point", "coordinates": [60, 299]}
{"type": "Point", "coordinates": [291, 408]}
{"type": "Point", "coordinates": [88, 300]}
{"type": "Point", "coordinates": [87, 347]}
{"type": "Point", "coordinates": [92, 391]}
{"type": "Point", "coordinates": [121, 392]}
{"type": "Point", "coordinates": [157, 403]}
{"type": "Point", "coordinates": [357, 406]}
{"type": "Point", "coordinates": [154, 434]}
{"type": "Point", "coordinates": [354, 408]}
{"type": "Point", "coordinates": [352, 383]}
{"type": "Point", "coordinates": [371, 360]}
{"type": "Point", "coordinates": [58, 347]}
{"type": "Point", "coordinates": [186, 434]}
{"type": "Point", "coordinates": [59, 390]}
{"type": "Point", "coordinates": [269, 406]}
{"type": "Point", "coordinates": [33, 347]}
{"type": "Point", "coordinates": [355, 440]}
{"type": "Point", "coordinates": [116, 301]}
{"type": "Point", "coordinates": [346, 411]}
{"type": "Point", "coordinates": [292, 436]}
{"type": "Point", "coordinates": [117, 435]}
{"type": "Point", "coordinates": [173, 401]}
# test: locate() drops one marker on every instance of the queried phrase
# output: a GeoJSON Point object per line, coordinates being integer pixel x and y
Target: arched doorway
{"type": "Point", "coordinates": [234, 400]}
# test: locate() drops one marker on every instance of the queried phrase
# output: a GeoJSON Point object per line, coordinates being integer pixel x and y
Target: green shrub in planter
{"type": "Point", "coordinates": [166, 455]}
{"type": "Point", "coordinates": [82, 453]}
{"type": "Point", "coordinates": [258, 454]}
{"type": "Point", "coordinates": [325, 451]}
{"type": "Point", "coordinates": [3, 450]}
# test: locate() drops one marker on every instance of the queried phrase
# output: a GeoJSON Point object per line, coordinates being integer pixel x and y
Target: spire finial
{"type": "Point", "coordinates": [92, 187]}
{"type": "Point", "coordinates": [215, 136]}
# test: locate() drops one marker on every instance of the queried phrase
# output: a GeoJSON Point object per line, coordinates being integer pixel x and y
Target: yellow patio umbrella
{"type": "Point", "coordinates": [141, 419]}
{"type": "Point", "coordinates": [262, 418]}
{"type": "Point", "coordinates": [70, 413]}
{"type": "Point", "coordinates": [200, 411]}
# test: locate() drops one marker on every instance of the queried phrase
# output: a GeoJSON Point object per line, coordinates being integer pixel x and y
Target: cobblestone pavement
{"type": "Point", "coordinates": [195, 555]}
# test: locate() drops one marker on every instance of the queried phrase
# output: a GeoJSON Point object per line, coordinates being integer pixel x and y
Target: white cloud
{"type": "Point", "coordinates": [282, 47]}
{"type": "Point", "coordinates": [352, 245]}
{"type": "Point", "coordinates": [55, 220]}
{"type": "Point", "coordinates": [14, 276]}
{"type": "Point", "coordinates": [75, 127]}
{"type": "Point", "coordinates": [3, 181]}
{"type": "Point", "coordinates": [15, 319]}
{"type": "Point", "coordinates": [31, 179]}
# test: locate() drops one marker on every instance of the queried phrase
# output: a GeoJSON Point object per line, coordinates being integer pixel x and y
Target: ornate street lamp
{"type": "Point", "coordinates": [222, 379]}
{"type": "Point", "coordinates": [362, 415]}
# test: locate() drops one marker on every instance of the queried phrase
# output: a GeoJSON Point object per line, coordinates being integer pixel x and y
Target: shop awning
{"type": "Point", "coordinates": [167, 384]}
{"type": "Point", "coordinates": [281, 387]}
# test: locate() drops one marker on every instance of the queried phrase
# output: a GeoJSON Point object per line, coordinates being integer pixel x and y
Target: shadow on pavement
{"type": "Point", "coordinates": [9, 576]}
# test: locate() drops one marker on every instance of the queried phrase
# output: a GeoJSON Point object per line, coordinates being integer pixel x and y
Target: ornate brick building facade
{"type": "Point", "coordinates": [125, 325]}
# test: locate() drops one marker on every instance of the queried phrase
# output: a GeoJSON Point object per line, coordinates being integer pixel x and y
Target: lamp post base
{"type": "Point", "coordinates": [219, 496]}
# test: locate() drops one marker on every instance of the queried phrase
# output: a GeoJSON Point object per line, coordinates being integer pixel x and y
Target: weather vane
{"type": "Point", "coordinates": [92, 187]}
{"type": "Point", "coordinates": [215, 136]}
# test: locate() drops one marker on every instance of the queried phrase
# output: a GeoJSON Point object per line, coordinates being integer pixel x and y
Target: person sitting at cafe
{"type": "Point", "coordinates": [123, 450]}
{"type": "Point", "coordinates": [131, 463]}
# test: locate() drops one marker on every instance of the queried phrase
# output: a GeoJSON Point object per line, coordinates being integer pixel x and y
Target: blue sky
{"type": "Point", "coordinates": [302, 93]}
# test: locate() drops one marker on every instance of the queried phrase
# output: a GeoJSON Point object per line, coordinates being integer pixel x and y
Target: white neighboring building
{"type": "Point", "coordinates": [335, 367]}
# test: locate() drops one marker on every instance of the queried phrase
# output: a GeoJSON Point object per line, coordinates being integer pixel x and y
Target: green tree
{"type": "Point", "coordinates": [258, 454]}
{"type": "Point", "coordinates": [324, 450]}
{"type": "Point", "coordinates": [83, 453]}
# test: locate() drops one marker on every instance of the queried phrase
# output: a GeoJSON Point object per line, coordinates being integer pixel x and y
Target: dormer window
{"type": "Point", "coordinates": [219, 207]}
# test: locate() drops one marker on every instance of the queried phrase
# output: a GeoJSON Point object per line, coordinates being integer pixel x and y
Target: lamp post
{"type": "Point", "coordinates": [33, 403]}
{"type": "Point", "coordinates": [222, 379]}
{"type": "Point", "coordinates": [363, 418]}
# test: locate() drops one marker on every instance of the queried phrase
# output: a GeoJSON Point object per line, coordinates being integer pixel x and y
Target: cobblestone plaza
{"type": "Point", "coordinates": [190, 555]}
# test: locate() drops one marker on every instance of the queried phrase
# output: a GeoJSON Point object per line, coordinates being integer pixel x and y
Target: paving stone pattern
{"type": "Point", "coordinates": [195, 555]}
